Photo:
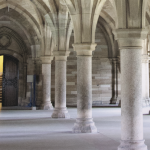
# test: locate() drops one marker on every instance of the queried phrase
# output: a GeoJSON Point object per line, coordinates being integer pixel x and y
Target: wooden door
{"type": "Point", "coordinates": [10, 81]}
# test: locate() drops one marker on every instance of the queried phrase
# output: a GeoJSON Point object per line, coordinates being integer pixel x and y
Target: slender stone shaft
{"type": "Point", "coordinates": [60, 110]}
{"type": "Point", "coordinates": [145, 80]}
{"type": "Point", "coordinates": [115, 82]}
{"type": "Point", "coordinates": [46, 73]}
{"type": "Point", "coordinates": [84, 122]}
{"type": "Point", "coordinates": [130, 42]}
{"type": "Point", "coordinates": [25, 80]}
{"type": "Point", "coordinates": [131, 95]}
{"type": "Point", "coordinates": [84, 87]}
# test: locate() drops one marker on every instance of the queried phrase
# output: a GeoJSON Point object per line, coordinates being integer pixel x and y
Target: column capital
{"type": "Point", "coordinates": [84, 49]}
{"type": "Point", "coordinates": [130, 38]}
{"type": "Point", "coordinates": [37, 61]}
{"type": "Point", "coordinates": [114, 60]}
{"type": "Point", "coordinates": [61, 55]}
{"type": "Point", "coordinates": [46, 59]}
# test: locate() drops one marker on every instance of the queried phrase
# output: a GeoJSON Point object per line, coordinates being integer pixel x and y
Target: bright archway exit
{"type": "Point", "coordinates": [1, 78]}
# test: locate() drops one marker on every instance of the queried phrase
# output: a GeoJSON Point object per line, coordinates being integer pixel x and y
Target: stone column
{"type": "Point", "coordinates": [115, 81]}
{"type": "Point", "coordinates": [145, 80]}
{"type": "Point", "coordinates": [84, 122]}
{"type": "Point", "coordinates": [60, 110]}
{"type": "Point", "coordinates": [22, 83]}
{"type": "Point", "coordinates": [130, 43]}
{"type": "Point", "coordinates": [24, 80]}
{"type": "Point", "coordinates": [46, 74]}
{"type": "Point", "coordinates": [34, 66]}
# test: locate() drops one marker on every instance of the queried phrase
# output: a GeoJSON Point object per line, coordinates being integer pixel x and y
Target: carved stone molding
{"type": "Point", "coordinates": [5, 41]}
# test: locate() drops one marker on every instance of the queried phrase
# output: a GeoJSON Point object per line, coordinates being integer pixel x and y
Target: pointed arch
{"type": "Point", "coordinates": [33, 23]}
{"type": "Point", "coordinates": [11, 33]}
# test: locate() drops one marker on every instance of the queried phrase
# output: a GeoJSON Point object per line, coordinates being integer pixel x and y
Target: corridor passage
{"type": "Point", "coordinates": [36, 130]}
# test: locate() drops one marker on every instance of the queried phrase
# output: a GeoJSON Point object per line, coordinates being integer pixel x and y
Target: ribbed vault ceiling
{"type": "Point", "coordinates": [31, 15]}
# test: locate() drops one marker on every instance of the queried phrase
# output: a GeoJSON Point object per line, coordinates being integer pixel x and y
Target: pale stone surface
{"type": "Point", "coordinates": [37, 130]}
{"type": "Point", "coordinates": [84, 122]}
{"type": "Point", "coordinates": [84, 87]}
{"type": "Point", "coordinates": [132, 119]}
{"type": "Point", "coordinates": [131, 96]}
{"type": "Point", "coordinates": [101, 74]}
{"type": "Point", "coordinates": [34, 28]}
{"type": "Point", "coordinates": [130, 44]}
{"type": "Point", "coordinates": [60, 110]}
{"type": "Point", "coordinates": [84, 126]}
{"type": "Point", "coordinates": [46, 73]}
{"type": "Point", "coordinates": [145, 80]}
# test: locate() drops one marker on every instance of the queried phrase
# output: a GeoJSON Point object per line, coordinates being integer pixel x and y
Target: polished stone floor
{"type": "Point", "coordinates": [36, 130]}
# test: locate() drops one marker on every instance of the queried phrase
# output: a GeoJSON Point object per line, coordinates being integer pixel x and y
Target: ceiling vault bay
{"type": "Point", "coordinates": [38, 20]}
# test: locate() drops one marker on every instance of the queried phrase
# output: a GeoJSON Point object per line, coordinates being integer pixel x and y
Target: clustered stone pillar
{"type": "Point", "coordinates": [60, 110]}
{"type": "Point", "coordinates": [145, 80]}
{"type": "Point", "coordinates": [130, 44]}
{"type": "Point", "coordinates": [115, 81]}
{"type": "Point", "coordinates": [46, 74]}
{"type": "Point", "coordinates": [84, 122]}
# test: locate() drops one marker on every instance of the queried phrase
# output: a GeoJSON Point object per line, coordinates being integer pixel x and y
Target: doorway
{"type": "Point", "coordinates": [1, 76]}
{"type": "Point", "coordinates": [10, 81]}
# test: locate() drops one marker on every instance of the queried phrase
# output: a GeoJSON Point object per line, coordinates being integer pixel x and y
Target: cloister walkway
{"type": "Point", "coordinates": [36, 130]}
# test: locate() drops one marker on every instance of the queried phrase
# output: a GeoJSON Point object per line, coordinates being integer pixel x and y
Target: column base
{"type": "Point", "coordinates": [132, 145]}
{"type": "Point", "coordinates": [34, 108]}
{"type": "Point", "coordinates": [60, 113]}
{"type": "Point", "coordinates": [84, 126]}
{"type": "Point", "coordinates": [47, 106]}
{"type": "Point", "coordinates": [113, 101]}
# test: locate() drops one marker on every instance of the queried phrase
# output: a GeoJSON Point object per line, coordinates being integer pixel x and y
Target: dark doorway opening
{"type": "Point", "coordinates": [10, 81]}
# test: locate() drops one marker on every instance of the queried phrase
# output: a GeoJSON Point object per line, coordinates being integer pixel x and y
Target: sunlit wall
{"type": "Point", "coordinates": [1, 65]}
{"type": "Point", "coordinates": [1, 72]}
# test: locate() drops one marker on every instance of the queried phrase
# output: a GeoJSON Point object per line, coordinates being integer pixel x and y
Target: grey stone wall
{"type": "Point", "coordinates": [101, 71]}
{"type": "Point", "coordinates": [101, 74]}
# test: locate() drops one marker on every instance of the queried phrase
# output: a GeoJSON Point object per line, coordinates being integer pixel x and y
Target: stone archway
{"type": "Point", "coordinates": [22, 74]}
{"type": "Point", "coordinates": [10, 80]}
{"type": "Point", "coordinates": [9, 38]}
